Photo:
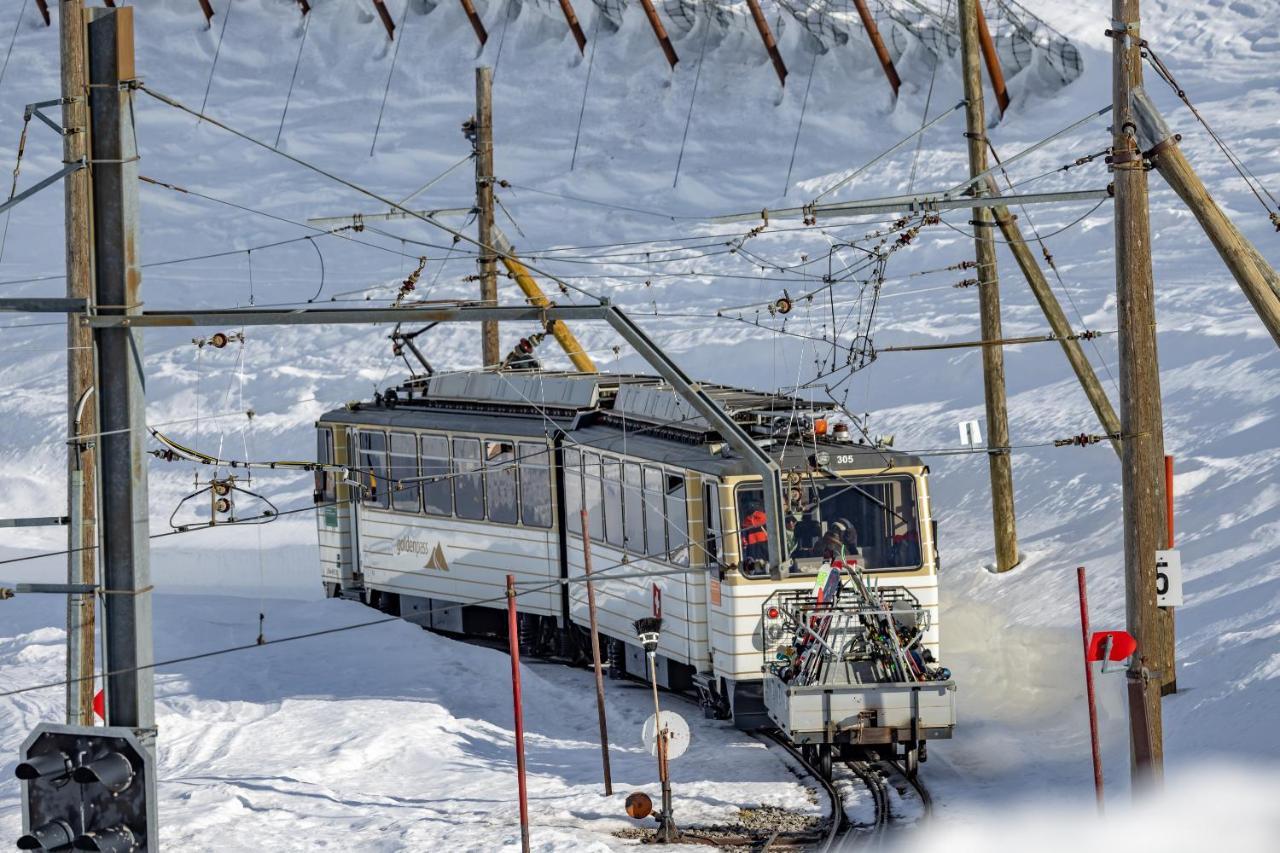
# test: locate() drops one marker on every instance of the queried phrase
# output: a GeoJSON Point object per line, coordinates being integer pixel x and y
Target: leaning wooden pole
{"type": "Point", "coordinates": [992, 59]}
{"type": "Point", "coordinates": [1241, 258]}
{"type": "Point", "coordinates": [477, 25]}
{"type": "Point", "coordinates": [877, 42]}
{"type": "Point", "coordinates": [529, 286]}
{"type": "Point", "coordinates": [770, 44]}
{"type": "Point", "coordinates": [571, 18]}
{"type": "Point", "coordinates": [660, 32]}
{"type": "Point", "coordinates": [1002, 508]}
{"type": "Point", "coordinates": [1140, 407]}
{"type": "Point", "coordinates": [387, 23]}
{"type": "Point", "coordinates": [1057, 318]}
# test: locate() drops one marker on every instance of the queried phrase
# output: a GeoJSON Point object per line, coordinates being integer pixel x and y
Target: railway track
{"type": "Point", "coordinates": [837, 824]}
{"type": "Point", "coordinates": [875, 775]}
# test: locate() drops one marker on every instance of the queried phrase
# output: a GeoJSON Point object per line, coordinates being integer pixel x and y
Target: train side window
{"type": "Point", "coordinates": [594, 493]}
{"type": "Point", "coordinates": [468, 479]}
{"type": "Point", "coordinates": [535, 485]}
{"type": "Point", "coordinates": [653, 515]}
{"type": "Point", "coordinates": [326, 480]}
{"type": "Point", "coordinates": [404, 485]}
{"type": "Point", "coordinates": [373, 468]}
{"type": "Point", "coordinates": [437, 490]}
{"type": "Point", "coordinates": [613, 532]}
{"type": "Point", "coordinates": [711, 522]}
{"type": "Point", "coordinates": [632, 508]}
{"type": "Point", "coordinates": [573, 491]}
{"type": "Point", "coordinates": [501, 481]}
{"type": "Point", "coordinates": [677, 521]}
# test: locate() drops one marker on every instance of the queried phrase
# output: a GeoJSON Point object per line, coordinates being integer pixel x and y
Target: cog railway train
{"type": "Point", "coordinates": [457, 480]}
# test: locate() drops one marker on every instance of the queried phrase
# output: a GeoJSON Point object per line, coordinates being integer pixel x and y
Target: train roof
{"type": "Point", "coordinates": [632, 413]}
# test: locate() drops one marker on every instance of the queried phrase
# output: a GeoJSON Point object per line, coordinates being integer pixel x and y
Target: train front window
{"type": "Point", "coordinates": [872, 519]}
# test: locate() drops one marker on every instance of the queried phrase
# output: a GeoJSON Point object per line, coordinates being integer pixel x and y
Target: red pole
{"type": "Point", "coordinates": [513, 631]}
{"type": "Point", "coordinates": [1088, 688]}
{"type": "Point", "coordinates": [1168, 497]}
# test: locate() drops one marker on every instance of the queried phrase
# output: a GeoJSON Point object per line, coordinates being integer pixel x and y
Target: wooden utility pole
{"type": "Point", "coordinates": [490, 354]}
{"type": "Point", "coordinates": [82, 411]}
{"type": "Point", "coordinates": [1140, 409]}
{"type": "Point", "coordinates": [1057, 318]}
{"type": "Point", "coordinates": [1002, 510]}
{"type": "Point", "coordinates": [1251, 271]}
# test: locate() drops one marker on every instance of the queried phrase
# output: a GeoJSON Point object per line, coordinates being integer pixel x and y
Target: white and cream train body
{"type": "Point", "coordinates": [457, 481]}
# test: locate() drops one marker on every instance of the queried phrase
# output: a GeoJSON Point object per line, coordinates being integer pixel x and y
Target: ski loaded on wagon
{"type": "Point", "coordinates": [454, 481]}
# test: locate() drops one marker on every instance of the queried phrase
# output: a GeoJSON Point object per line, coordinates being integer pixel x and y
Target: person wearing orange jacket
{"type": "Point", "coordinates": [755, 535]}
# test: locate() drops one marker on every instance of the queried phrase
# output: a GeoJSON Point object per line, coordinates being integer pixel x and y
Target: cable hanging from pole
{"type": "Point", "coordinates": [297, 62]}
{"type": "Point", "coordinates": [226, 18]}
{"type": "Point", "coordinates": [1251, 180]}
{"type": "Point", "coordinates": [395, 54]}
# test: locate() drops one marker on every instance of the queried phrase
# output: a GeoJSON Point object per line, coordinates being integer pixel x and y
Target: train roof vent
{"type": "Point", "coordinates": [658, 405]}
{"type": "Point", "coordinates": [515, 389]}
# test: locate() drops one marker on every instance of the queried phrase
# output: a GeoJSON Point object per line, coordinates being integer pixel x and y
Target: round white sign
{"type": "Point", "coordinates": [677, 734]}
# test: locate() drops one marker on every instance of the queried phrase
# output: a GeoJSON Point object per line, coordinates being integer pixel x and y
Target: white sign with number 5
{"type": "Point", "coordinates": [1168, 579]}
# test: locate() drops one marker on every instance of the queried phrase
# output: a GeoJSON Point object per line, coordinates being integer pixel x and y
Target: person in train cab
{"type": "Point", "coordinates": [906, 547]}
{"type": "Point", "coordinates": [755, 536]}
{"type": "Point", "coordinates": [790, 532]}
{"type": "Point", "coordinates": [848, 536]}
{"type": "Point", "coordinates": [832, 544]}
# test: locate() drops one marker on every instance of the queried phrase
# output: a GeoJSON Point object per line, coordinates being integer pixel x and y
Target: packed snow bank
{"type": "Point", "coordinates": [381, 738]}
{"type": "Point", "coordinates": [1206, 807]}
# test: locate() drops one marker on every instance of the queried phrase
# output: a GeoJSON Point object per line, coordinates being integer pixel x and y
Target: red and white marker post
{"type": "Point", "coordinates": [1107, 647]}
{"type": "Point", "coordinates": [513, 631]}
{"type": "Point", "coordinates": [1088, 688]}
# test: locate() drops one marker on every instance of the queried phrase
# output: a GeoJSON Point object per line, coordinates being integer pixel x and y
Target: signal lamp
{"type": "Point", "coordinates": [54, 835]}
{"type": "Point", "coordinates": [639, 806]}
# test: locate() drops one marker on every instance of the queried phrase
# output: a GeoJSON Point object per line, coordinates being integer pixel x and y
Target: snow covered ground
{"type": "Point", "coordinates": [365, 740]}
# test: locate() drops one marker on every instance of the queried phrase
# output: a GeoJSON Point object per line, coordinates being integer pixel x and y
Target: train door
{"type": "Point", "coordinates": [354, 568]}
{"type": "Point", "coordinates": [333, 513]}
{"type": "Point", "coordinates": [704, 517]}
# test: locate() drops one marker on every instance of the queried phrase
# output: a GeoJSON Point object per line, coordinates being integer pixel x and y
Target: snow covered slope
{"type": "Point", "coordinates": [1011, 639]}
